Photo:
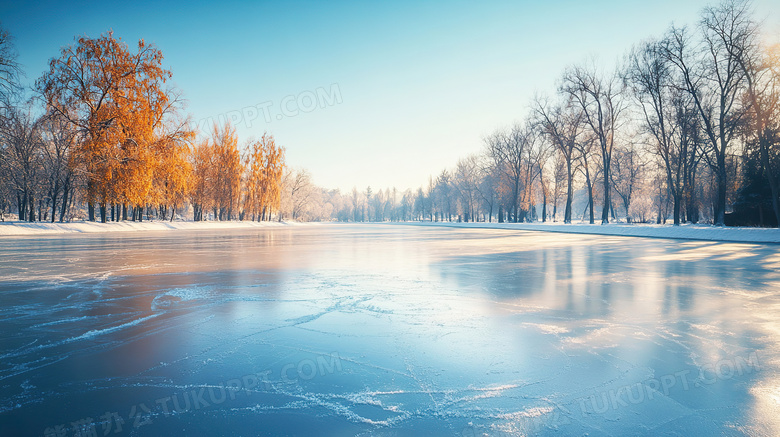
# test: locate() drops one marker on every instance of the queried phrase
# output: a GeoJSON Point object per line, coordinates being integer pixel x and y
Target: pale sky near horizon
{"type": "Point", "coordinates": [361, 93]}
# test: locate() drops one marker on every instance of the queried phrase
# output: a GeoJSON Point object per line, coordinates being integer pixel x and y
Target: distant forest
{"type": "Point", "coordinates": [686, 128]}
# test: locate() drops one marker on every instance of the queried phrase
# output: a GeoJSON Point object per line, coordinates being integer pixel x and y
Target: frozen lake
{"type": "Point", "coordinates": [387, 330]}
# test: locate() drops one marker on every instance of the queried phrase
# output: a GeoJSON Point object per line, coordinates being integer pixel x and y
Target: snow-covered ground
{"type": "Point", "coordinates": [26, 228]}
{"type": "Point", "coordinates": [686, 231]}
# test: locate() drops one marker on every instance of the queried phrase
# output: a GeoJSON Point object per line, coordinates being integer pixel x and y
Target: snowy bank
{"type": "Point", "coordinates": [686, 231]}
{"type": "Point", "coordinates": [38, 228]}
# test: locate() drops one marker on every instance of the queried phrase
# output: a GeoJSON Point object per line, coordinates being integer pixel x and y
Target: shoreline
{"type": "Point", "coordinates": [695, 232]}
{"type": "Point", "coordinates": [21, 229]}
{"type": "Point", "coordinates": [682, 232]}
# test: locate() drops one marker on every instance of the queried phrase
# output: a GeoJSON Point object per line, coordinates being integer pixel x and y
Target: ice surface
{"type": "Point", "coordinates": [387, 330]}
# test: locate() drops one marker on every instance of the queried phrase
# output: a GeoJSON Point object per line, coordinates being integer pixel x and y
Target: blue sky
{"type": "Point", "coordinates": [420, 83]}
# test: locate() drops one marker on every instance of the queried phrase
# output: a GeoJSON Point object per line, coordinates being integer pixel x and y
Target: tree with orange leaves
{"type": "Point", "coordinates": [225, 173]}
{"type": "Point", "coordinates": [115, 99]}
{"type": "Point", "coordinates": [201, 177]}
{"type": "Point", "coordinates": [172, 169]}
{"type": "Point", "coordinates": [264, 165]}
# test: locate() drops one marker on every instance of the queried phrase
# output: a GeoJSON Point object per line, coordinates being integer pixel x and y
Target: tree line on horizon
{"type": "Point", "coordinates": [113, 137]}
{"type": "Point", "coordinates": [686, 128]}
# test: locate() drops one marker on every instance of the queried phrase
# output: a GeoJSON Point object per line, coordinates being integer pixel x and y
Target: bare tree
{"type": "Point", "coordinates": [59, 138]}
{"type": "Point", "coordinates": [378, 204]}
{"type": "Point", "coordinates": [488, 184]}
{"type": "Point", "coordinates": [761, 67]}
{"type": "Point", "coordinates": [407, 206]}
{"type": "Point", "coordinates": [298, 192]}
{"type": "Point", "coordinates": [627, 174]}
{"type": "Point", "coordinates": [585, 164]}
{"type": "Point", "coordinates": [443, 197]}
{"type": "Point", "coordinates": [560, 179]}
{"type": "Point", "coordinates": [366, 210]}
{"type": "Point", "coordinates": [534, 152]}
{"type": "Point", "coordinates": [421, 205]}
{"type": "Point", "coordinates": [541, 157]}
{"type": "Point", "coordinates": [561, 123]}
{"type": "Point", "coordinates": [667, 116]}
{"type": "Point", "coordinates": [714, 78]}
{"type": "Point", "coordinates": [507, 149]}
{"type": "Point", "coordinates": [599, 98]}
{"type": "Point", "coordinates": [10, 71]}
{"type": "Point", "coordinates": [466, 182]}
{"type": "Point", "coordinates": [21, 157]}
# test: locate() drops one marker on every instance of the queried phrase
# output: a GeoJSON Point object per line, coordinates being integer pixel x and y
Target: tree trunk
{"type": "Point", "coordinates": [54, 196]}
{"type": "Point", "coordinates": [64, 207]}
{"type": "Point", "coordinates": [607, 201]}
{"type": "Point", "coordinates": [676, 200]}
{"type": "Point", "coordinates": [720, 206]}
{"type": "Point", "coordinates": [31, 208]}
{"type": "Point", "coordinates": [21, 206]}
{"type": "Point", "coordinates": [515, 206]}
{"type": "Point", "coordinates": [590, 194]}
{"type": "Point", "coordinates": [569, 193]}
{"type": "Point", "coordinates": [592, 219]}
{"type": "Point", "coordinates": [691, 209]}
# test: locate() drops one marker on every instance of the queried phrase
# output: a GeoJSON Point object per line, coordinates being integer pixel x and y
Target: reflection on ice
{"type": "Point", "coordinates": [389, 329]}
